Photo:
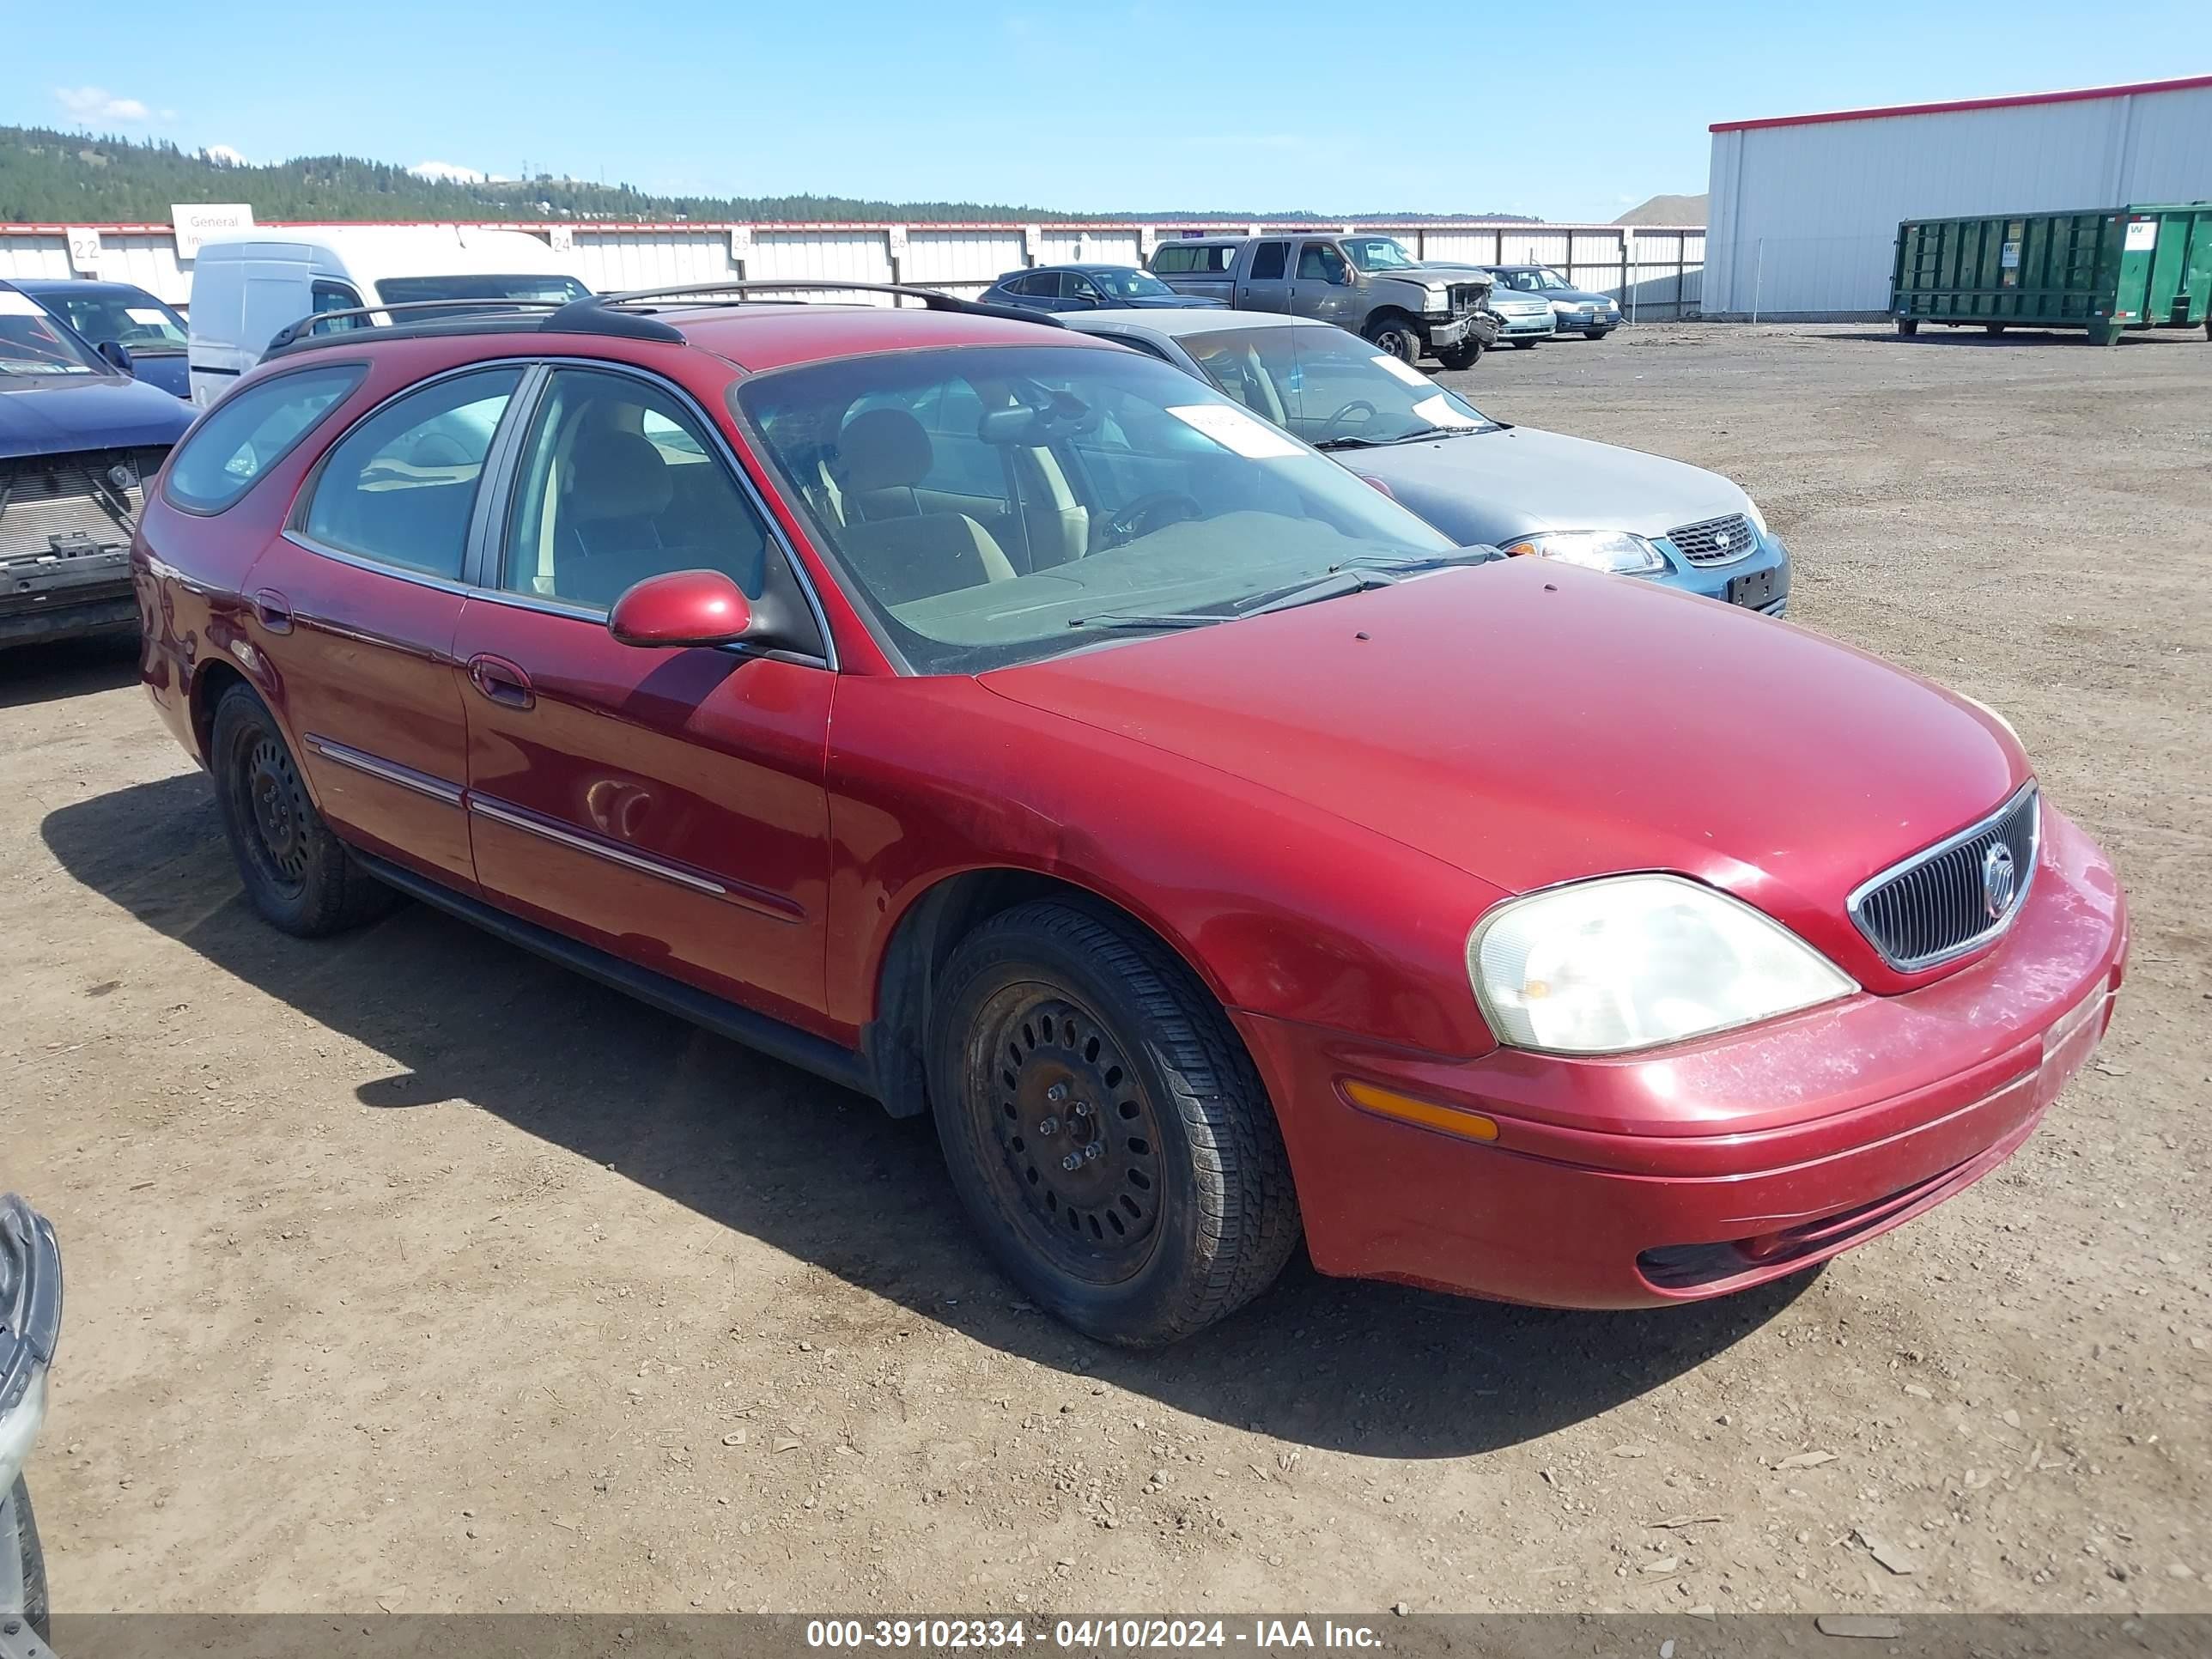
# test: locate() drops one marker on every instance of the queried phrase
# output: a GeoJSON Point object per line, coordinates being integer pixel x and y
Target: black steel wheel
{"type": "Point", "coordinates": [299, 875]}
{"type": "Point", "coordinates": [1104, 1127]}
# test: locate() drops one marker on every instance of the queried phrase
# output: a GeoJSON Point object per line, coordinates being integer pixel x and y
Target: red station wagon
{"type": "Point", "coordinates": [1002, 723]}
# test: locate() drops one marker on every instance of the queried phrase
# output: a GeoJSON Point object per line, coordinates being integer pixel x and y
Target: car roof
{"type": "Point", "coordinates": [1205, 319]}
{"type": "Point", "coordinates": [754, 336]}
{"type": "Point", "coordinates": [374, 251]}
{"type": "Point", "coordinates": [79, 285]}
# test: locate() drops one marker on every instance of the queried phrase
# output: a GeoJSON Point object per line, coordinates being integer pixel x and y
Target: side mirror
{"type": "Point", "coordinates": [118, 355]}
{"type": "Point", "coordinates": [682, 607]}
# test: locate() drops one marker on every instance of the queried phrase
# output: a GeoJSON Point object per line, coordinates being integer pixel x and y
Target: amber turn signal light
{"type": "Point", "coordinates": [1427, 1113]}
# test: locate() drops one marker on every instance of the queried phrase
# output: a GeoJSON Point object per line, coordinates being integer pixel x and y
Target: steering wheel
{"type": "Point", "coordinates": [1144, 516]}
{"type": "Point", "coordinates": [1344, 413]}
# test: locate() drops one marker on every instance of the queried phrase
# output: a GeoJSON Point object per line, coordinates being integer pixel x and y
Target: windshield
{"type": "Point", "coordinates": [995, 505]}
{"type": "Point", "coordinates": [1130, 284]}
{"type": "Point", "coordinates": [1329, 386]}
{"type": "Point", "coordinates": [32, 343]}
{"type": "Point", "coordinates": [1378, 254]}
{"type": "Point", "coordinates": [400, 290]}
{"type": "Point", "coordinates": [138, 320]}
{"type": "Point", "coordinates": [1534, 279]}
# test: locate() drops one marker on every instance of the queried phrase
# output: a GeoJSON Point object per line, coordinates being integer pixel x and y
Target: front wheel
{"type": "Point", "coordinates": [1398, 337]}
{"type": "Point", "coordinates": [1465, 355]}
{"type": "Point", "coordinates": [1105, 1128]}
{"type": "Point", "coordinates": [299, 875]}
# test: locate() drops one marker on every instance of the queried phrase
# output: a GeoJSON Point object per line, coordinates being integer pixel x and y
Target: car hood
{"type": "Point", "coordinates": [1530, 724]}
{"type": "Point", "coordinates": [1576, 296]}
{"type": "Point", "coordinates": [1432, 271]}
{"type": "Point", "coordinates": [46, 415]}
{"type": "Point", "coordinates": [1494, 486]}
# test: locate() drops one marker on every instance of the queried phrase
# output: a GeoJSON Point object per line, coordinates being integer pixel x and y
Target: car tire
{"type": "Point", "coordinates": [1398, 337]}
{"type": "Point", "coordinates": [1466, 355]}
{"type": "Point", "coordinates": [300, 876]}
{"type": "Point", "coordinates": [1058, 1030]}
{"type": "Point", "coordinates": [1595, 333]}
{"type": "Point", "coordinates": [1522, 345]}
{"type": "Point", "coordinates": [1907, 327]}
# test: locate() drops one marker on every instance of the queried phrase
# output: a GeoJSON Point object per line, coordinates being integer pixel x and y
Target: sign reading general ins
{"type": "Point", "coordinates": [196, 221]}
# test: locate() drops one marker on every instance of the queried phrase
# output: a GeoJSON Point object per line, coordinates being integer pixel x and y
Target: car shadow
{"type": "Point", "coordinates": [821, 1174]}
{"type": "Point", "coordinates": [50, 672]}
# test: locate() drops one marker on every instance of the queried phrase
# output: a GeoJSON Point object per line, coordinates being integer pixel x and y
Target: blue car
{"type": "Point", "coordinates": [79, 440]}
{"type": "Point", "coordinates": [152, 336]}
{"type": "Point", "coordinates": [1091, 287]}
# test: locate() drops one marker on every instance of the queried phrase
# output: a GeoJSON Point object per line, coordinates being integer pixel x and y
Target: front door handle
{"type": "Point", "coordinates": [502, 681]}
{"type": "Point", "coordinates": [273, 610]}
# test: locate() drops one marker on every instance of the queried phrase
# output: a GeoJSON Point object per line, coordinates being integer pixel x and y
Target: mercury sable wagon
{"type": "Point", "coordinates": [1010, 727]}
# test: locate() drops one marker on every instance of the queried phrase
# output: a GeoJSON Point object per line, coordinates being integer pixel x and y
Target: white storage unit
{"type": "Point", "coordinates": [1805, 208]}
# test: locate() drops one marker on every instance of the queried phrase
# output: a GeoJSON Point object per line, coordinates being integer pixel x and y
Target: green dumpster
{"type": "Point", "coordinates": [2104, 271]}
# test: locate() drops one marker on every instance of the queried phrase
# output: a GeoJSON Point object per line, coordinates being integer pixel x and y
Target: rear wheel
{"type": "Point", "coordinates": [1105, 1128]}
{"type": "Point", "coordinates": [1595, 333]}
{"type": "Point", "coordinates": [300, 876]}
{"type": "Point", "coordinates": [1397, 336]}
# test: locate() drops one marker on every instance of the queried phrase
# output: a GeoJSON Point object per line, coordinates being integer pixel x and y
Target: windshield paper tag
{"type": "Point", "coordinates": [1437, 412]}
{"type": "Point", "coordinates": [13, 304]}
{"type": "Point", "coordinates": [1233, 430]}
{"type": "Point", "coordinates": [1405, 371]}
{"type": "Point", "coordinates": [145, 314]}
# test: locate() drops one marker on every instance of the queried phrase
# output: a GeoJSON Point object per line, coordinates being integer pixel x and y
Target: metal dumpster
{"type": "Point", "coordinates": [2105, 270]}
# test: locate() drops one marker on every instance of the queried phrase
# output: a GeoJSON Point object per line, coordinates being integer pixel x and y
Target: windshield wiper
{"type": "Point", "coordinates": [1473, 553]}
{"type": "Point", "coordinates": [1344, 581]}
{"type": "Point", "coordinates": [1136, 619]}
{"type": "Point", "coordinates": [1421, 436]}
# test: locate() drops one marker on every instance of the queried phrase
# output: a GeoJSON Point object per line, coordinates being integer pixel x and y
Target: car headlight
{"type": "Point", "coordinates": [1757, 519]}
{"type": "Point", "coordinates": [1634, 961]}
{"type": "Point", "coordinates": [1597, 549]}
{"type": "Point", "coordinates": [1439, 299]}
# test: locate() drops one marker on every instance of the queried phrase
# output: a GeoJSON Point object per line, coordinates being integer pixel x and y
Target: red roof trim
{"type": "Point", "coordinates": [2011, 101]}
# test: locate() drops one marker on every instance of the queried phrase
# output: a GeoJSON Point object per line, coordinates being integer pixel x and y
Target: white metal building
{"type": "Point", "coordinates": [1805, 208]}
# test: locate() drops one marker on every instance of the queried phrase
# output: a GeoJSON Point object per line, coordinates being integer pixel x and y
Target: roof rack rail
{"type": "Point", "coordinates": [591, 316]}
{"type": "Point", "coordinates": [292, 333]}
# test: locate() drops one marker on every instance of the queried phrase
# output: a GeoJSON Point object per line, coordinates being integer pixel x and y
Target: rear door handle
{"type": "Point", "coordinates": [273, 610]}
{"type": "Point", "coordinates": [502, 681]}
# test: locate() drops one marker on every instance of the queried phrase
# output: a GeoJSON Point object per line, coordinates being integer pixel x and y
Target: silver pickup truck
{"type": "Point", "coordinates": [1369, 284]}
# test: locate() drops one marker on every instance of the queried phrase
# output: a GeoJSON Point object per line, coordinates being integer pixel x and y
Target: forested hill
{"type": "Point", "coordinates": [58, 178]}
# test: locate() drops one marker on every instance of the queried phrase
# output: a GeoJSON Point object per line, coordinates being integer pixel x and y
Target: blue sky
{"type": "Point", "coordinates": [1338, 105]}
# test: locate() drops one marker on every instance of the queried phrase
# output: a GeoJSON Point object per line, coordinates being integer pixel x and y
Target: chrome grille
{"type": "Point", "coordinates": [50, 506]}
{"type": "Point", "coordinates": [1942, 903]}
{"type": "Point", "coordinates": [1715, 541]}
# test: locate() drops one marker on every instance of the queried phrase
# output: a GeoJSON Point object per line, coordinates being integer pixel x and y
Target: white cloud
{"type": "Point", "coordinates": [226, 154]}
{"type": "Point", "coordinates": [98, 104]}
{"type": "Point", "coordinates": [447, 173]}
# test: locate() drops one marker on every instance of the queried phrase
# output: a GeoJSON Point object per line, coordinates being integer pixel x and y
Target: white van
{"type": "Point", "coordinates": [245, 289]}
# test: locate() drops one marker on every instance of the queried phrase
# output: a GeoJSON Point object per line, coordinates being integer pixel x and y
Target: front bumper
{"type": "Point", "coordinates": [64, 596]}
{"type": "Point", "coordinates": [1530, 325]}
{"type": "Point", "coordinates": [1693, 1171]}
{"type": "Point", "coordinates": [1445, 331]}
{"type": "Point", "coordinates": [1577, 320]}
{"type": "Point", "coordinates": [1759, 581]}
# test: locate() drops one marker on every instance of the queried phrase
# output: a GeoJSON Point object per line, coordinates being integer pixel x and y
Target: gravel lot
{"type": "Point", "coordinates": [407, 1271]}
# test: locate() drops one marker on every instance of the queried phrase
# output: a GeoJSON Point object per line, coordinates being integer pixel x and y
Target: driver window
{"type": "Point", "coordinates": [618, 482]}
{"type": "Point", "coordinates": [1320, 262]}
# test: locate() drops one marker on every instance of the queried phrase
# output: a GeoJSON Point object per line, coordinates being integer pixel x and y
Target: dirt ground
{"type": "Point", "coordinates": [408, 1272]}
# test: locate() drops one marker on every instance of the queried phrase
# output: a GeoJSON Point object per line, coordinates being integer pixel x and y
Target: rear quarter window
{"type": "Point", "coordinates": [250, 431]}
